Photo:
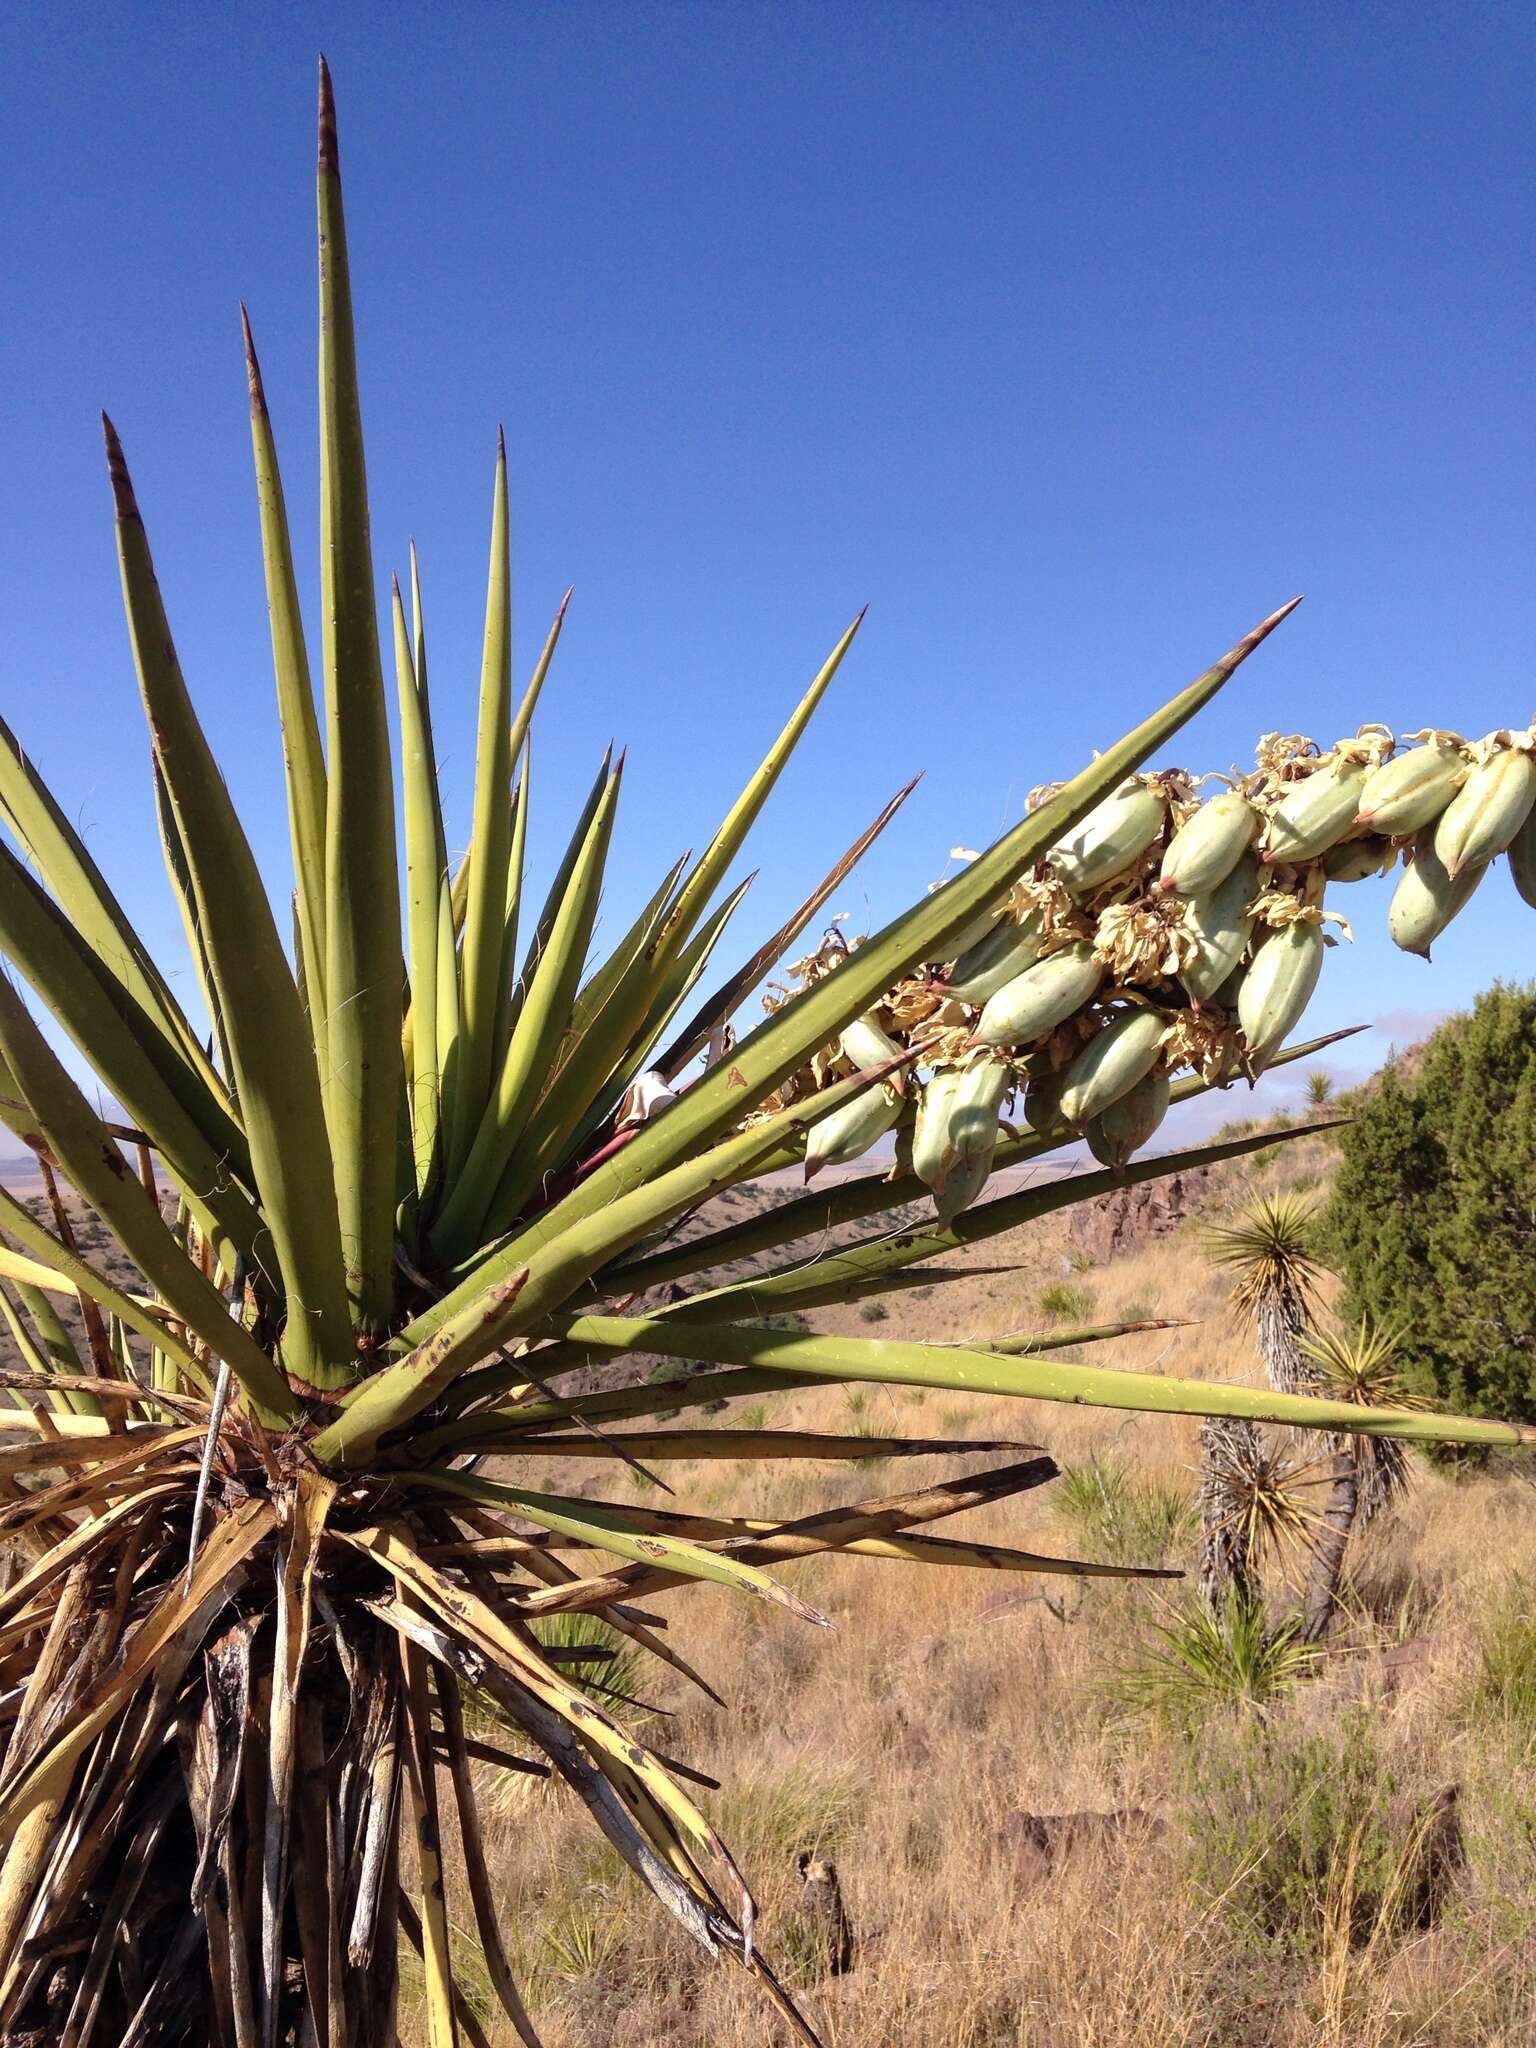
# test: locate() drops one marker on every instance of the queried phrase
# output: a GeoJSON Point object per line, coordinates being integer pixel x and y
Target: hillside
{"type": "Point", "coordinates": [1031, 1855]}
{"type": "Point", "coordinates": [918, 1741]}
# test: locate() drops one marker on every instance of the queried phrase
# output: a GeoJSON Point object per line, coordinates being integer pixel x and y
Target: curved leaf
{"type": "Point", "coordinates": [303, 758]}
{"type": "Point", "coordinates": [785, 1040]}
{"type": "Point", "coordinates": [97, 1169]}
{"type": "Point", "coordinates": [490, 845]}
{"type": "Point", "coordinates": [363, 1090]}
{"type": "Point", "coordinates": [612, 1529]}
{"type": "Point", "coordinates": [270, 1042]}
{"type": "Point", "coordinates": [60, 857]}
{"type": "Point", "coordinates": [1034, 1379]}
{"type": "Point", "coordinates": [823, 1210]}
{"type": "Point", "coordinates": [203, 1150]}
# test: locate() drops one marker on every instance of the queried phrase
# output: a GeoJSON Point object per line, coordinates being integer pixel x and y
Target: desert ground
{"type": "Point", "coordinates": [1349, 1861]}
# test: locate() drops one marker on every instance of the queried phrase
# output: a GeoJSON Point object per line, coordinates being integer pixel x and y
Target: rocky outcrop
{"type": "Point", "coordinates": [1133, 1216]}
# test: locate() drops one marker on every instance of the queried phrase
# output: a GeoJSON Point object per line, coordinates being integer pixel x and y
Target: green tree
{"type": "Point", "coordinates": [1432, 1222]}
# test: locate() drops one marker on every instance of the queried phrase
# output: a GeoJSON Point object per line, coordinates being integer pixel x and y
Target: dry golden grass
{"type": "Point", "coordinates": [943, 1700]}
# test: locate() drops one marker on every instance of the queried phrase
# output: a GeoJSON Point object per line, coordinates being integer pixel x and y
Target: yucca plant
{"type": "Point", "coordinates": [1256, 1502]}
{"type": "Point", "coordinates": [1203, 1659]}
{"type": "Point", "coordinates": [1268, 1250]}
{"type": "Point", "coordinates": [1364, 1364]}
{"type": "Point", "coordinates": [296, 1509]}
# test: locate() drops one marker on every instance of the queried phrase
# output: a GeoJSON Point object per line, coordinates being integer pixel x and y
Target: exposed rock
{"type": "Point", "coordinates": [1133, 1216]}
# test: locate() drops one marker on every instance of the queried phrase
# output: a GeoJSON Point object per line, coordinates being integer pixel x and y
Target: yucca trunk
{"type": "Point", "coordinates": [1227, 1568]}
{"type": "Point", "coordinates": [1279, 1326]}
{"type": "Point", "coordinates": [1325, 1570]}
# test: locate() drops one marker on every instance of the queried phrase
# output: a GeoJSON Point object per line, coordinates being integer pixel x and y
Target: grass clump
{"type": "Point", "coordinates": [1120, 1518]}
{"type": "Point", "coordinates": [1292, 1838]}
{"type": "Point", "coordinates": [875, 1437]}
{"type": "Point", "coordinates": [1064, 1303]}
{"type": "Point", "coordinates": [776, 1814]}
{"type": "Point", "coordinates": [611, 1669]}
{"type": "Point", "coordinates": [1503, 1685]}
{"type": "Point", "coordinates": [1202, 1662]}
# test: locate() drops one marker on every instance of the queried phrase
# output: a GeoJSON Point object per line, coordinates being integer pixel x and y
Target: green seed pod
{"type": "Point", "coordinates": [849, 1132]}
{"type": "Point", "coordinates": [1277, 988]}
{"type": "Point", "coordinates": [1522, 859]}
{"type": "Point", "coordinates": [1225, 997]}
{"type": "Point", "coordinates": [1121, 1130]}
{"type": "Point", "coordinates": [1040, 998]}
{"type": "Point", "coordinates": [930, 1137]}
{"type": "Point", "coordinates": [1315, 814]}
{"type": "Point", "coordinates": [1427, 897]}
{"type": "Point", "coordinates": [867, 1045]}
{"type": "Point", "coordinates": [1355, 860]}
{"type": "Point", "coordinates": [974, 1108]}
{"type": "Point", "coordinates": [1205, 849]}
{"type": "Point", "coordinates": [1110, 1066]}
{"type": "Point", "coordinates": [1487, 811]}
{"type": "Point", "coordinates": [1006, 950]}
{"type": "Point", "coordinates": [1410, 791]}
{"type": "Point", "coordinates": [1042, 1104]}
{"type": "Point", "coordinates": [961, 941]}
{"type": "Point", "coordinates": [1223, 925]}
{"type": "Point", "coordinates": [1111, 838]}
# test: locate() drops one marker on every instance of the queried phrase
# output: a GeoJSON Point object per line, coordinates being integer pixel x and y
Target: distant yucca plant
{"type": "Point", "coordinates": [1203, 1660]}
{"type": "Point", "coordinates": [1268, 1248]}
{"type": "Point", "coordinates": [419, 1165]}
{"type": "Point", "coordinates": [1364, 1365]}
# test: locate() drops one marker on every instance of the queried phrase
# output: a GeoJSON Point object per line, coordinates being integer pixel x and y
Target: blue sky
{"type": "Point", "coordinates": [1071, 339]}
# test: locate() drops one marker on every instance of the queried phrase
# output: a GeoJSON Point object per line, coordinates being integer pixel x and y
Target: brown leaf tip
{"type": "Point", "coordinates": [330, 155]}
{"type": "Point", "coordinates": [252, 367]}
{"type": "Point", "coordinates": [117, 473]}
{"type": "Point", "coordinates": [501, 444]}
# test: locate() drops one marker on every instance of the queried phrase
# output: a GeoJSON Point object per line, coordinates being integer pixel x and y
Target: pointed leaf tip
{"type": "Point", "coordinates": [127, 506]}
{"type": "Point", "coordinates": [330, 156]}
{"type": "Point", "coordinates": [501, 444]}
{"type": "Point", "coordinates": [252, 367]}
{"type": "Point", "coordinates": [1260, 633]}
